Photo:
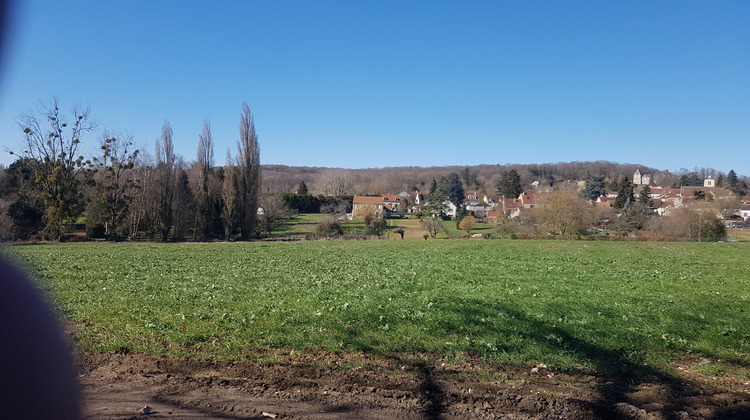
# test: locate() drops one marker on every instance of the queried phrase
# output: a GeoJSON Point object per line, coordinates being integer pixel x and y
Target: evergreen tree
{"type": "Point", "coordinates": [509, 185]}
{"type": "Point", "coordinates": [734, 184]}
{"type": "Point", "coordinates": [460, 216]}
{"type": "Point", "coordinates": [643, 197]}
{"type": "Point", "coordinates": [731, 180]}
{"type": "Point", "coordinates": [691, 180]}
{"type": "Point", "coordinates": [183, 205]}
{"type": "Point", "coordinates": [614, 185]}
{"type": "Point", "coordinates": [450, 186]}
{"type": "Point", "coordinates": [625, 194]}
{"type": "Point", "coordinates": [302, 188]}
{"type": "Point", "coordinates": [595, 188]}
{"type": "Point", "coordinates": [433, 186]}
{"type": "Point", "coordinates": [469, 179]}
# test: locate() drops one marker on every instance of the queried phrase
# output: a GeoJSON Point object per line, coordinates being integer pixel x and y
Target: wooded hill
{"type": "Point", "coordinates": [373, 181]}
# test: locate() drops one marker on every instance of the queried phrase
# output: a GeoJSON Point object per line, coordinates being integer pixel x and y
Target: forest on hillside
{"type": "Point", "coordinates": [374, 181]}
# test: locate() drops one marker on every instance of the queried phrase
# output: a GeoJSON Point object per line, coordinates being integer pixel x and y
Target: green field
{"type": "Point", "coordinates": [564, 303]}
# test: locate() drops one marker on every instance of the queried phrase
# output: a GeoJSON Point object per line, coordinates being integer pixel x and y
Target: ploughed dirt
{"type": "Point", "coordinates": [417, 386]}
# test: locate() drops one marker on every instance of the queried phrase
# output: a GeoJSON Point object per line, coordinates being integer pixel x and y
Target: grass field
{"type": "Point", "coordinates": [740, 235]}
{"type": "Point", "coordinates": [564, 303]}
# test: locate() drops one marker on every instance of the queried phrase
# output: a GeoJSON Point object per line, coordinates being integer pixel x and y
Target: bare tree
{"type": "Point", "coordinates": [143, 209]}
{"type": "Point", "coordinates": [335, 207]}
{"type": "Point", "coordinates": [59, 172]}
{"type": "Point", "coordinates": [729, 206]}
{"type": "Point", "coordinates": [248, 176]}
{"type": "Point", "coordinates": [117, 180]}
{"type": "Point", "coordinates": [274, 212]}
{"type": "Point", "coordinates": [564, 213]}
{"type": "Point", "coordinates": [506, 227]}
{"type": "Point", "coordinates": [690, 222]}
{"type": "Point", "coordinates": [431, 226]}
{"type": "Point", "coordinates": [336, 182]}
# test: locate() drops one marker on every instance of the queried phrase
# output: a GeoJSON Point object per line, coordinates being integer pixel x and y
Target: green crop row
{"type": "Point", "coordinates": [559, 302]}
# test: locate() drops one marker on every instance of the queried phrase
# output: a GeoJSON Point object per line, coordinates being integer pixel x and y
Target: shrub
{"type": "Point", "coordinates": [95, 230]}
{"type": "Point", "coordinates": [377, 227]}
{"type": "Point", "coordinates": [330, 227]}
{"type": "Point", "coordinates": [467, 224]}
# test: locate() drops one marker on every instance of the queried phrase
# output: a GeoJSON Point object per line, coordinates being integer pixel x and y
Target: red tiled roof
{"type": "Point", "coordinates": [512, 203]}
{"type": "Point", "coordinates": [364, 199]}
{"type": "Point", "coordinates": [688, 192]}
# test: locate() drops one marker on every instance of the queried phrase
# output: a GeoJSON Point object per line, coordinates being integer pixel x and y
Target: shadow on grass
{"type": "Point", "coordinates": [620, 373]}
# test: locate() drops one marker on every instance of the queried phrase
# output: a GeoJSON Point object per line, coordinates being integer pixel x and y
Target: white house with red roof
{"type": "Point", "coordinates": [529, 201]}
{"type": "Point", "coordinates": [393, 201]}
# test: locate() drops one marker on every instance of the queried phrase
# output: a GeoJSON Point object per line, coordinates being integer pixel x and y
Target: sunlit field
{"type": "Point", "coordinates": [564, 303]}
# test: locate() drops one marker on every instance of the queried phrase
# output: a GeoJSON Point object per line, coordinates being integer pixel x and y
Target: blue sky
{"type": "Point", "coordinates": [398, 83]}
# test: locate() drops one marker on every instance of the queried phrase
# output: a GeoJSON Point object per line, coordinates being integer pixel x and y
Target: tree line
{"type": "Point", "coordinates": [119, 194]}
{"type": "Point", "coordinates": [123, 192]}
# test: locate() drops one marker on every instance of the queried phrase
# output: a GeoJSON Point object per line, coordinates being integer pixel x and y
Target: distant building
{"type": "Point", "coordinates": [642, 179]}
{"type": "Point", "coordinates": [367, 205]}
{"type": "Point", "coordinates": [709, 182]}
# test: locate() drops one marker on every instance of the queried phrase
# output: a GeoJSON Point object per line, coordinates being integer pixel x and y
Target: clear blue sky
{"type": "Point", "coordinates": [389, 83]}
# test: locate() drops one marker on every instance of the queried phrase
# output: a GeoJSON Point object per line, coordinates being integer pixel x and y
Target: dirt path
{"type": "Point", "coordinates": [334, 386]}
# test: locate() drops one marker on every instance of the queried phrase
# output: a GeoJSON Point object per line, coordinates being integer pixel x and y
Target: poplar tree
{"type": "Point", "coordinates": [204, 214]}
{"type": "Point", "coordinates": [229, 194]}
{"type": "Point", "coordinates": [248, 177]}
{"type": "Point", "coordinates": [165, 168]}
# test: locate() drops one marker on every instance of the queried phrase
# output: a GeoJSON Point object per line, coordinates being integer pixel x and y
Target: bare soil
{"type": "Point", "coordinates": [320, 385]}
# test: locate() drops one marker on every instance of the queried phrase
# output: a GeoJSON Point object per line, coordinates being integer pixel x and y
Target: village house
{"type": "Point", "coordinates": [476, 203]}
{"type": "Point", "coordinates": [529, 201]}
{"type": "Point", "coordinates": [492, 216]}
{"type": "Point", "coordinates": [375, 206]}
{"type": "Point", "coordinates": [709, 193]}
{"type": "Point", "coordinates": [509, 207]}
{"type": "Point", "coordinates": [745, 212]}
{"type": "Point", "coordinates": [417, 198]}
{"type": "Point", "coordinates": [392, 201]}
{"type": "Point", "coordinates": [492, 199]}
{"type": "Point", "coordinates": [473, 198]}
{"type": "Point", "coordinates": [604, 201]}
